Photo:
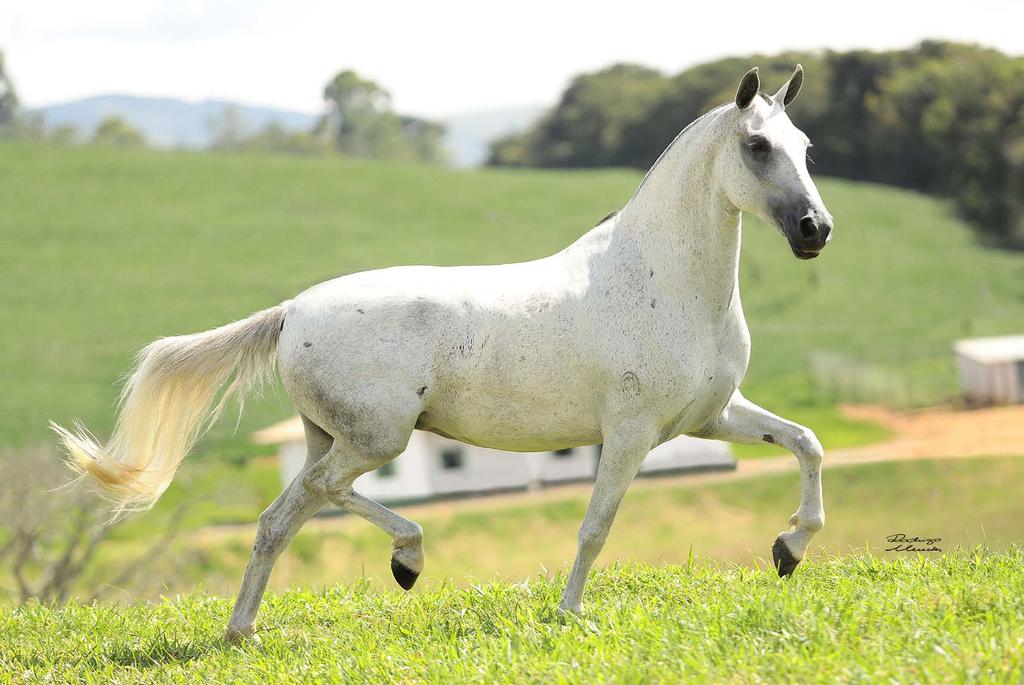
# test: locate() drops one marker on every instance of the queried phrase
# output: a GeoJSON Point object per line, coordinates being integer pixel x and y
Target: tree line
{"type": "Point", "coordinates": [943, 118]}
{"type": "Point", "coordinates": [358, 121]}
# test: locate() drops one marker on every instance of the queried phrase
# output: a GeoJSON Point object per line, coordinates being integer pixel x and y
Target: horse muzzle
{"type": "Point", "coordinates": [807, 233]}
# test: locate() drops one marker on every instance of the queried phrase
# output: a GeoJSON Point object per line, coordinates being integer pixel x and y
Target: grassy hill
{"type": "Point", "coordinates": [104, 250]}
{"type": "Point", "coordinates": [964, 502]}
{"type": "Point", "coordinates": [954, 618]}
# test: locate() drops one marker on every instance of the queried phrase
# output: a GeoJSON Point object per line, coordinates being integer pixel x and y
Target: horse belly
{"type": "Point", "coordinates": [505, 393]}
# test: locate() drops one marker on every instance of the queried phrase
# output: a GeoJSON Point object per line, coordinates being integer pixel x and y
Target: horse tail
{"type": "Point", "coordinates": [166, 403]}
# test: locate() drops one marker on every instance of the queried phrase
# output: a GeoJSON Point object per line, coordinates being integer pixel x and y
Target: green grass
{"type": "Point", "coordinates": [104, 250]}
{"type": "Point", "coordinates": [957, 617]}
{"type": "Point", "coordinates": [965, 502]}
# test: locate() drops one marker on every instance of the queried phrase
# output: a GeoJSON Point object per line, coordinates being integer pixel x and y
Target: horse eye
{"type": "Point", "coordinates": [759, 145]}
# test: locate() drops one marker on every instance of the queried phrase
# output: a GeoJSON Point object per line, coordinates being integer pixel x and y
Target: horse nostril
{"type": "Point", "coordinates": [808, 229]}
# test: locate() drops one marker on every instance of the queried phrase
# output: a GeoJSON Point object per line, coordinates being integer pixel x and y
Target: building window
{"type": "Point", "coordinates": [386, 471]}
{"type": "Point", "coordinates": [451, 458]}
{"type": "Point", "coordinates": [564, 453]}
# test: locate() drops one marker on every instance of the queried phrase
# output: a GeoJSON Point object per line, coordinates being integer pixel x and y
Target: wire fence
{"type": "Point", "coordinates": [900, 382]}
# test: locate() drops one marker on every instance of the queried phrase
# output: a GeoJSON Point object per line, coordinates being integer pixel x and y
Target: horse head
{"type": "Point", "coordinates": [763, 166]}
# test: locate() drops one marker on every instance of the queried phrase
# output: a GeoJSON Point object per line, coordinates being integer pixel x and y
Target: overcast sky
{"type": "Point", "coordinates": [436, 57]}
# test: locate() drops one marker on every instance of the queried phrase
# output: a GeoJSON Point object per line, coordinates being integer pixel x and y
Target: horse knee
{"type": "Point", "coordinates": [808, 447]}
{"type": "Point", "coordinates": [271, 534]}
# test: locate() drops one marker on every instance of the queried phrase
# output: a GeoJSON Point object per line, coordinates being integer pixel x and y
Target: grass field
{"type": "Point", "coordinates": [104, 250]}
{"type": "Point", "coordinates": [958, 617]}
{"type": "Point", "coordinates": [964, 502]}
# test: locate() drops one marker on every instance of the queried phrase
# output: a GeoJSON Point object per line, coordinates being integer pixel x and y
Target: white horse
{"type": "Point", "coordinates": [630, 336]}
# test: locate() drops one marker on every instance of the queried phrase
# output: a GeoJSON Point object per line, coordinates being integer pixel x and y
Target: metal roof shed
{"type": "Point", "coordinates": [991, 369]}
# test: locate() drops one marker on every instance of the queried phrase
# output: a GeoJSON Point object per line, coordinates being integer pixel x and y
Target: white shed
{"type": "Point", "coordinates": [991, 369]}
{"type": "Point", "coordinates": [432, 466]}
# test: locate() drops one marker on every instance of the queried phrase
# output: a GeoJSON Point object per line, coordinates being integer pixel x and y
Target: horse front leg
{"type": "Point", "coordinates": [743, 421]}
{"type": "Point", "coordinates": [621, 456]}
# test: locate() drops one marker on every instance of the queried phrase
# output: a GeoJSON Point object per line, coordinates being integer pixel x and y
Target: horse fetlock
{"type": "Point", "coordinates": [412, 537]}
{"type": "Point", "coordinates": [811, 523]}
{"type": "Point", "coordinates": [239, 634]}
{"type": "Point", "coordinates": [567, 608]}
{"type": "Point", "coordinates": [409, 555]}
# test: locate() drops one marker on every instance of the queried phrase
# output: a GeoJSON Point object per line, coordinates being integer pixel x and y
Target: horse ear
{"type": "Point", "coordinates": [791, 88]}
{"type": "Point", "coordinates": [748, 89]}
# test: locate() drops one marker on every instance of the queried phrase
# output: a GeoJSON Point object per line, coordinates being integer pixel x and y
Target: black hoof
{"type": "Point", "coordinates": [784, 560]}
{"type": "Point", "coordinates": [405, 576]}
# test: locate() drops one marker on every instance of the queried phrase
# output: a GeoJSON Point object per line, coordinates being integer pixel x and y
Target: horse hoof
{"type": "Point", "coordinates": [404, 575]}
{"type": "Point", "coordinates": [784, 560]}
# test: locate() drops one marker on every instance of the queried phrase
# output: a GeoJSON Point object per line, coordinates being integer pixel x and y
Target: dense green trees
{"type": "Point", "coordinates": [589, 125]}
{"type": "Point", "coordinates": [943, 118]}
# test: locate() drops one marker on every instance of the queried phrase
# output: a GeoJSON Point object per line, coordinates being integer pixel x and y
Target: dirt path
{"type": "Point", "coordinates": [940, 433]}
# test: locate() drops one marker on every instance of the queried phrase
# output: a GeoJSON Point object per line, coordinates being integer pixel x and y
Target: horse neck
{"type": "Point", "coordinates": [680, 225]}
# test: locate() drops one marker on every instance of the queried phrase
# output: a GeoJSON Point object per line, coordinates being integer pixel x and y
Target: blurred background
{"type": "Point", "coordinates": [169, 167]}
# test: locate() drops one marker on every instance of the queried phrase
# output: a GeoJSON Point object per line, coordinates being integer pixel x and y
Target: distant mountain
{"type": "Point", "coordinates": [169, 122]}
{"type": "Point", "coordinates": [166, 122]}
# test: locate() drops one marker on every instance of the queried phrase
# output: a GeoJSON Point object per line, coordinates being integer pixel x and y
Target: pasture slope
{"type": "Point", "coordinates": [956, 618]}
{"type": "Point", "coordinates": [104, 250]}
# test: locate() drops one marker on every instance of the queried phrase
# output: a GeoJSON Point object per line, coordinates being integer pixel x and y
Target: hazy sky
{"type": "Point", "coordinates": [436, 57]}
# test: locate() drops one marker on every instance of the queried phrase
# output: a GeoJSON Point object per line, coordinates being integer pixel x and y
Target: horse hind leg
{"type": "Point", "coordinates": [277, 526]}
{"type": "Point", "coordinates": [333, 478]}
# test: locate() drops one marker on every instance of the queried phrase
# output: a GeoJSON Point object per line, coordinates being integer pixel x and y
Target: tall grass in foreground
{"type": "Point", "coordinates": [955, 617]}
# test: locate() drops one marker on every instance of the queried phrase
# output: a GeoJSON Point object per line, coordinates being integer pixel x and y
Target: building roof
{"type": "Point", "coordinates": [1007, 348]}
{"type": "Point", "coordinates": [289, 430]}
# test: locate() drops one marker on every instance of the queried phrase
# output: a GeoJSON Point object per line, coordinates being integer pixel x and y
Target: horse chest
{"type": "Point", "coordinates": [684, 371]}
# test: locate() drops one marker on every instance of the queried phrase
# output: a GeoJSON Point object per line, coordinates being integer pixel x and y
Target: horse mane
{"type": "Point", "coordinates": [607, 216]}
{"type": "Point", "coordinates": [679, 136]}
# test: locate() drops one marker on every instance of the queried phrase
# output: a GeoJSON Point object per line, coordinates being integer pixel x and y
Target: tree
{"type": "Point", "coordinates": [114, 130]}
{"type": "Point", "coordinates": [425, 139]}
{"type": "Point", "coordinates": [227, 128]}
{"type": "Point", "coordinates": [8, 98]}
{"type": "Point", "coordinates": [587, 127]}
{"type": "Point", "coordinates": [63, 135]}
{"type": "Point", "coordinates": [276, 138]}
{"type": "Point", "coordinates": [360, 115]}
{"type": "Point", "coordinates": [49, 537]}
{"type": "Point", "coordinates": [361, 123]}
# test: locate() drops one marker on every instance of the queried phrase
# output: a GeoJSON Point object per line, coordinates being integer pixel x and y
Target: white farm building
{"type": "Point", "coordinates": [432, 466]}
{"type": "Point", "coordinates": [991, 369]}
